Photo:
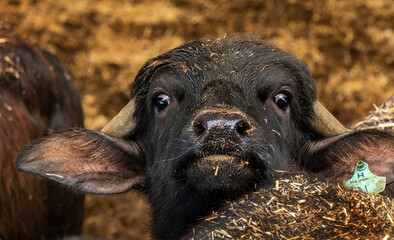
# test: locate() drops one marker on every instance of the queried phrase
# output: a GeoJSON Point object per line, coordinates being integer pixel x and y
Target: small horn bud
{"type": "Point", "coordinates": [123, 123]}
{"type": "Point", "coordinates": [325, 123]}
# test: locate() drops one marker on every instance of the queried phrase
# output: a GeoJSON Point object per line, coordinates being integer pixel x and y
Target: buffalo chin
{"type": "Point", "coordinates": [221, 174]}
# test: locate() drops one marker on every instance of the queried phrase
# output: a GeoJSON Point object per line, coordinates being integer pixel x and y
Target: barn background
{"type": "Point", "coordinates": [347, 45]}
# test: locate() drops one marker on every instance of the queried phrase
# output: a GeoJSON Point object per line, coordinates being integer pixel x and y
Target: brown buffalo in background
{"type": "Point", "coordinates": [36, 96]}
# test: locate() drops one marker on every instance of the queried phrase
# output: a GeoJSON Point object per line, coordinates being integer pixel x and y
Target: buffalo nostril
{"type": "Point", "coordinates": [198, 128]}
{"type": "Point", "coordinates": [243, 128]}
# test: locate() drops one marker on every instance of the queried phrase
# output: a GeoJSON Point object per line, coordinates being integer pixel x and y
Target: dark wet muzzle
{"type": "Point", "coordinates": [221, 126]}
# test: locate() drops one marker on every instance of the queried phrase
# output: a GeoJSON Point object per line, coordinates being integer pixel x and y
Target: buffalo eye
{"type": "Point", "coordinates": [282, 101]}
{"type": "Point", "coordinates": [162, 101]}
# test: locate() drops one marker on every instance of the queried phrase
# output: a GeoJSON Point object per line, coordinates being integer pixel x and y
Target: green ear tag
{"type": "Point", "coordinates": [365, 180]}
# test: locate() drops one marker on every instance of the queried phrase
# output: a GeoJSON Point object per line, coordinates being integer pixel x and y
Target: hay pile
{"type": "Point", "coordinates": [299, 208]}
{"type": "Point", "coordinates": [382, 117]}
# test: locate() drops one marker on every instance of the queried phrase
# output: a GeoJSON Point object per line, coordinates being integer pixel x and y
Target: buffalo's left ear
{"type": "Point", "coordinates": [86, 161]}
{"type": "Point", "coordinates": [335, 157]}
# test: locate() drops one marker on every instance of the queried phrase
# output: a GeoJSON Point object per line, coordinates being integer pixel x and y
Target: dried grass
{"type": "Point", "coordinates": [382, 117]}
{"type": "Point", "coordinates": [300, 208]}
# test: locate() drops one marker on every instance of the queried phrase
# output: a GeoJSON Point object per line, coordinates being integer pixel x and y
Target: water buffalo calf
{"type": "Point", "coordinates": [36, 95]}
{"type": "Point", "coordinates": [209, 121]}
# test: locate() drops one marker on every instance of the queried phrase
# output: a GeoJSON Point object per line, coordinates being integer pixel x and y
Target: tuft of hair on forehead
{"type": "Point", "coordinates": [199, 56]}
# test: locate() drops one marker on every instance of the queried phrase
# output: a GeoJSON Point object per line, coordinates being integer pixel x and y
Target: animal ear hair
{"type": "Point", "coordinates": [335, 158]}
{"type": "Point", "coordinates": [87, 161]}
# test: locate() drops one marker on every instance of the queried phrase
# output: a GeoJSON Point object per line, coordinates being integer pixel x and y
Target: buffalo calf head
{"type": "Point", "coordinates": [208, 121]}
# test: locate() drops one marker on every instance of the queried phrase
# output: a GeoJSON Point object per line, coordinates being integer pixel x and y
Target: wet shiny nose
{"type": "Point", "coordinates": [216, 124]}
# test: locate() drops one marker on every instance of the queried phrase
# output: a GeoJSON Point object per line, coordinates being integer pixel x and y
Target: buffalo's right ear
{"type": "Point", "coordinates": [87, 161]}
